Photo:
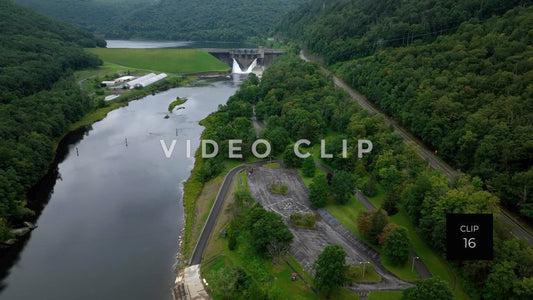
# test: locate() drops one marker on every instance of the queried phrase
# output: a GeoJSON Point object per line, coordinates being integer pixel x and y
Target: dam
{"type": "Point", "coordinates": [245, 60]}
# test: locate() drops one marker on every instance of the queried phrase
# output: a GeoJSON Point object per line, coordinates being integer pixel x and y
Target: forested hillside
{"type": "Point", "coordinates": [93, 15]}
{"type": "Point", "coordinates": [297, 100]}
{"type": "Point", "coordinates": [36, 51]}
{"type": "Point", "coordinates": [199, 20]}
{"type": "Point", "coordinates": [340, 30]}
{"type": "Point", "coordinates": [459, 74]}
{"type": "Point", "coordinates": [38, 98]}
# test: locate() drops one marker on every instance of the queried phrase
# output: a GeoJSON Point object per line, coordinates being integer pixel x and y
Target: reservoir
{"type": "Point", "coordinates": [176, 44]}
{"type": "Point", "coordinates": [111, 225]}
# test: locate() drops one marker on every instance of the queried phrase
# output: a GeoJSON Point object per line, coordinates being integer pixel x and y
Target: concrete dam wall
{"type": "Point", "coordinates": [245, 57]}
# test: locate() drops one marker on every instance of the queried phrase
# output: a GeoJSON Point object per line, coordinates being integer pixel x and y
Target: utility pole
{"type": "Point", "coordinates": [364, 264]}
{"type": "Point", "coordinates": [413, 263]}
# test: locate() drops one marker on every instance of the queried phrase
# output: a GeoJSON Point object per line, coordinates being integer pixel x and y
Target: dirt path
{"type": "Point", "coordinates": [80, 82]}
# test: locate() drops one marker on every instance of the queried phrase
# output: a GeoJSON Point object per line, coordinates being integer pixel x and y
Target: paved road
{"type": "Point", "coordinates": [198, 252]}
{"type": "Point", "coordinates": [517, 229]}
{"type": "Point", "coordinates": [258, 124]}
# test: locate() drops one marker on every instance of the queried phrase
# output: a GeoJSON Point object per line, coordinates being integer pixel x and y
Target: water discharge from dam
{"type": "Point", "coordinates": [236, 69]}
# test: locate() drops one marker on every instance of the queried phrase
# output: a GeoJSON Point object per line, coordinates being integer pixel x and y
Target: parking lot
{"type": "Point", "coordinates": [309, 243]}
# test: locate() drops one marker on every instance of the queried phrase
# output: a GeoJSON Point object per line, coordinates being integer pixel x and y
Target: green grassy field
{"type": "Point", "coordinates": [162, 60]}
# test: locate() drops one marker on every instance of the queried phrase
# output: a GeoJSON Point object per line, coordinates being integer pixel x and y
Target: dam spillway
{"type": "Point", "coordinates": [236, 68]}
{"type": "Point", "coordinates": [240, 60]}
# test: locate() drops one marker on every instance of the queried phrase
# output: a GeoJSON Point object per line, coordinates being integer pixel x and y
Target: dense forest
{"type": "Point", "coordinates": [97, 15]}
{"type": "Point", "coordinates": [457, 73]}
{"type": "Point", "coordinates": [38, 98]}
{"type": "Point", "coordinates": [297, 101]}
{"type": "Point", "coordinates": [199, 20]}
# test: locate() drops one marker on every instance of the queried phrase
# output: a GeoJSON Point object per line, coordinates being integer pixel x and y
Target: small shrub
{"type": "Point", "coordinates": [279, 188]}
{"type": "Point", "coordinates": [355, 273]}
{"type": "Point", "coordinates": [303, 220]}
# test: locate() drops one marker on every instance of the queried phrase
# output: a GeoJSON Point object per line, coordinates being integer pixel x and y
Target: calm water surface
{"type": "Point", "coordinates": [110, 229]}
{"type": "Point", "coordinates": [175, 44]}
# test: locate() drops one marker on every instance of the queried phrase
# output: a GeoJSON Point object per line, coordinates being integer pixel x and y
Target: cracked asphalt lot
{"type": "Point", "coordinates": [309, 243]}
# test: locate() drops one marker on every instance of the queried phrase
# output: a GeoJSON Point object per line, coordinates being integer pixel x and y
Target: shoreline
{"type": "Point", "coordinates": [72, 135]}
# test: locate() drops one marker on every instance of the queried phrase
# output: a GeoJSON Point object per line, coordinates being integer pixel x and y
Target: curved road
{"type": "Point", "coordinates": [517, 229]}
{"type": "Point", "coordinates": [198, 252]}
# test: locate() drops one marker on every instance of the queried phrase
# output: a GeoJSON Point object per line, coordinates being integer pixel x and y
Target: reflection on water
{"type": "Point", "coordinates": [175, 44]}
{"type": "Point", "coordinates": [38, 196]}
{"type": "Point", "coordinates": [109, 228]}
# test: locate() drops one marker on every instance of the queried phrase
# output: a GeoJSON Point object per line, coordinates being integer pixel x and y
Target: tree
{"type": "Point", "coordinates": [254, 215]}
{"type": "Point", "coordinates": [268, 232]}
{"type": "Point", "coordinates": [379, 220]}
{"type": "Point", "coordinates": [318, 191]}
{"type": "Point", "coordinates": [391, 178]}
{"type": "Point", "coordinates": [5, 234]}
{"type": "Point", "coordinates": [309, 167]}
{"type": "Point", "coordinates": [330, 269]}
{"type": "Point", "coordinates": [372, 223]}
{"type": "Point", "coordinates": [369, 187]}
{"type": "Point", "coordinates": [342, 186]}
{"type": "Point", "coordinates": [500, 281]}
{"type": "Point", "coordinates": [385, 233]}
{"type": "Point", "coordinates": [460, 200]}
{"type": "Point", "coordinates": [290, 159]}
{"type": "Point", "coordinates": [524, 288]}
{"type": "Point", "coordinates": [433, 288]}
{"type": "Point", "coordinates": [390, 206]}
{"type": "Point", "coordinates": [278, 138]}
{"type": "Point", "coordinates": [397, 246]}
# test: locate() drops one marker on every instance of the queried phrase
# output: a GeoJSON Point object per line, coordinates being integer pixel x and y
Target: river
{"type": "Point", "coordinates": [111, 227]}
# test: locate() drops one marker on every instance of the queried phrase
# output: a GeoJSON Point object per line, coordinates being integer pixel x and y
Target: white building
{"type": "Point", "coordinates": [118, 80]}
{"type": "Point", "coordinates": [146, 80]}
{"type": "Point", "coordinates": [124, 79]}
{"type": "Point", "coordinates": [111, 97]}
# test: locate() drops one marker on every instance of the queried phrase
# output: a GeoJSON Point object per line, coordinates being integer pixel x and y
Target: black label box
{"type": "Point", "coordinates": [469, 236]}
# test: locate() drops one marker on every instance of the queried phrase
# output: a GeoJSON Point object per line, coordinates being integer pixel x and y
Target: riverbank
{"type": "Point", "coordinates": [124, 99]}
{"type": "Point", "coordinates": [198, 198]}
{"type": "Point", "coordinates": [88, 119]}
{"type": "Point", "coordinates": [116, 205]}
{"type": "Point", "coordinates": [88, 81]}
